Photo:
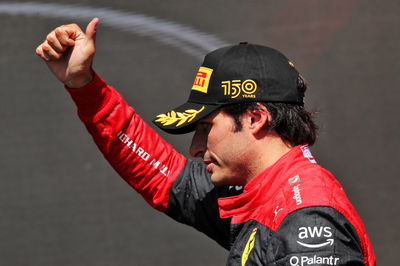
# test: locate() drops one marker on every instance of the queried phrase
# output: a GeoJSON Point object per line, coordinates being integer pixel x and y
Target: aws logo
{"type": "Point", "coordinates": [306, 233]}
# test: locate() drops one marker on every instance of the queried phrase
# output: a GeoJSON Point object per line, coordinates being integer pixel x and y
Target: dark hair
{"type": "Point", "coordinates": [292, 122]}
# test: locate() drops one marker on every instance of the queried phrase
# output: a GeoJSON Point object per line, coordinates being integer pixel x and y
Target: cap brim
{"type": "Point", "coordinates": [182, 119]}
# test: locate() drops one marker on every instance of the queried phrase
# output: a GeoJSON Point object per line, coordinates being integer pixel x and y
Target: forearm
{"type": "Point", "coordinates": [136, 152]}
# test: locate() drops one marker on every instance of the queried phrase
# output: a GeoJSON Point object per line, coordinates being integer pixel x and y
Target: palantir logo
{"type": "Point", "coordinates": [313, 260]}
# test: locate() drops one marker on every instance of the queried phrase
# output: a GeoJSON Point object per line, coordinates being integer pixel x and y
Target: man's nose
{"type": "Point", "coordinates": [199, 144]}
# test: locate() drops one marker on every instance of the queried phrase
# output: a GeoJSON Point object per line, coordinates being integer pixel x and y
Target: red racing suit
{"type": "Point", "coordinates": [293, 213]}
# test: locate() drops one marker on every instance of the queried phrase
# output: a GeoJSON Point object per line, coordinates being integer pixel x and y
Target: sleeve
{"type": "Point", "coordinates": [166, 180]}
{"type": "Point", "coordinates": [315, 236]}
{"type": "Point", "coordinates": [140, 156]}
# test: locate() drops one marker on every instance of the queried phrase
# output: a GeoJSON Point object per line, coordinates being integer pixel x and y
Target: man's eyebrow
{"type": "Point", "coordinates": [204, 123]}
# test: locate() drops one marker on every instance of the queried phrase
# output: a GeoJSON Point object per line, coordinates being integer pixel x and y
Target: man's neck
{"type": "Point", "coordinates": [267, 151]}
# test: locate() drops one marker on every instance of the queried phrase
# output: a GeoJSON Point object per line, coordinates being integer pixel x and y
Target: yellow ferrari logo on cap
{"type": "Point", "coordinates": [202, 79]}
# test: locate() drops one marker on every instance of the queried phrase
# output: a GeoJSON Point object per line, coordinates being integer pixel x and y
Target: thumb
{"type": "Point", "coordinates": [91, 30]}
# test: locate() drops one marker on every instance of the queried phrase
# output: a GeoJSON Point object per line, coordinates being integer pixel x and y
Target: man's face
{"type": "Point", "coordinates": [225, 152]}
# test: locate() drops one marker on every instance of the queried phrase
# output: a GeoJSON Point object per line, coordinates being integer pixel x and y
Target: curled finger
{"type": "Point", "coordinates": [49, 53]}
{"type": "Point", "coordinates": [54, 43]}
{"type": "Point", "coordinates": [40, 53]}
{"type": "Point", "coordinates": [63, 35]}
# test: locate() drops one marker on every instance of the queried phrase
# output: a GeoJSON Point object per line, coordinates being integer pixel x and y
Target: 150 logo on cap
{"type": "Point", "coordinates": [235, 87]}
{"type": "Point", "coordinates": [202, 79]}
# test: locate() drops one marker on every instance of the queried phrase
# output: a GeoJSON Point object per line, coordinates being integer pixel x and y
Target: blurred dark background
{"type": "Point", "coordinates": [62, 204]}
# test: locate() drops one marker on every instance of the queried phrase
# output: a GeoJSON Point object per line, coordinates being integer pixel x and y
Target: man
{"type": "Point", "coordinates": [259, 192]}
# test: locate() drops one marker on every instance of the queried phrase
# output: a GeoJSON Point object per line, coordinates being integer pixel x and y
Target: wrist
{"type": "Point", "coordinates": [80, 81]}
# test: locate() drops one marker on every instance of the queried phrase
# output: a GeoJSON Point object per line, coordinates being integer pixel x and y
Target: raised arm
{"type": "Point", "coordinates": [166, 180]}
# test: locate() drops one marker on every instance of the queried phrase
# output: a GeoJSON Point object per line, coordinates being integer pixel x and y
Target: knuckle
{"type": "Point", "coordinates": [58, 31]}
{"type": "Point", "coordinates": [49, 38]}
{"type": "Point", "coordinates": [66, 27]}
{"type": "Point", "coordinates": [45, 47]}
{"type": "Point", "coordinates": [61, 35]}
{"type": "Point", "coordinates": [38, 50]}
{"type": "Point", "coordinates": [60, 28]}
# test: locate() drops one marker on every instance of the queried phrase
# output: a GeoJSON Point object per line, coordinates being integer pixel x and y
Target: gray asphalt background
{"type": "Point", "coordinates": [62, 204]}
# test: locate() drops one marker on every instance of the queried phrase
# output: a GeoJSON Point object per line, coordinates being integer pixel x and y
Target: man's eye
{"type": "Point", "coordinates": [206, 126]}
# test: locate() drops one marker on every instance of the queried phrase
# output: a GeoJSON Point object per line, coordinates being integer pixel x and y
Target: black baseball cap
{"type": "Point", "coordinates": [239, 73]}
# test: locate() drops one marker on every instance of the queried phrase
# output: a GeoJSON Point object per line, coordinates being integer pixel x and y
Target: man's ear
{"type": "Point", "coordinates": [258, 119]}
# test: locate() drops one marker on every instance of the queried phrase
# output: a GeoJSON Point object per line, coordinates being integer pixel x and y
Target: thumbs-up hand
{"type": "Point", "coordinates": [69, 52]}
